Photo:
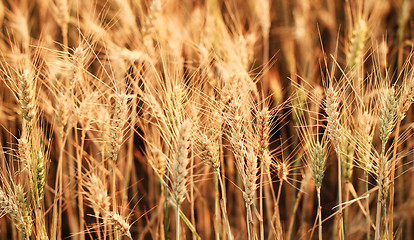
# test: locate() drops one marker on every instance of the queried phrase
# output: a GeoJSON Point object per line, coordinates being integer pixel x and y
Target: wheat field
{"type": "Point", "coordinates": [214, 119]}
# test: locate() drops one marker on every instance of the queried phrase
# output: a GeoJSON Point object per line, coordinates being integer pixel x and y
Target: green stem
{"type": "Point", "coordinates": [261, 200]}
{"type": "Point", "coordinates": [166, 196]}
{"type": "Point", "coordinates": [248, 221]}
{"type": "Point", "coordinates": [378, 219]}
{"type": "Point", "coordinates": [177, 231]}
{"type": "Point", "coordinates": [346, 209]}
{"type": "Point", "coordinates": [277, 211]}
{"type": "Point", "coordinates": [341, 220]}
{"type": "Point", "coordinates": [216, 206]}
{"type": "Point", "coordinates": [380, 190]}
{"type": "Point", "coordinates": [57, 211]}
{"type": "Point", "coordinates": [186, 221]}
{"type": "Point", "coordinates": [318, 191]}
{"type": "Point", "coordinates": [79, 151]}
{"type": "Point", "coordinates": [116, 233]}
{"type": "Point", "coordinates": [166, 206]}
{"type": "Point", "coordinates": [367, 206]}
{"type": "Point", "coordinates": [294, 193]}
{"type": "Point", "coordinates": [224, 202]}
{"type": "Point", "coordinates": [384, 210]}
{"type": "Point", "coordinates": [392, 177]}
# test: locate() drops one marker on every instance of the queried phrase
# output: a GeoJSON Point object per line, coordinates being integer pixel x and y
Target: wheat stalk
{"type": "Point", "coordinates": [364, 149]}
{"type": "Point", "coordinates": [387, 121]}
{"type": "Point", "coordinates": [334, 134]}
{"type": "Point", "coordinates": [179, 169]}
{"type": "Point", "coordinates": [245, 156]}
{"type": "Point", "coordinates": [263, 135]}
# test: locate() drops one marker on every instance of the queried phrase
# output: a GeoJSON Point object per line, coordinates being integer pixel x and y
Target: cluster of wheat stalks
{"type": "Point", "coordinates": [162, 119]}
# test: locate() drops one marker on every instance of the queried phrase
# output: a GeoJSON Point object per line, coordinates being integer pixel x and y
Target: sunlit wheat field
{"type": "Point", "coordinates": [206, 119]}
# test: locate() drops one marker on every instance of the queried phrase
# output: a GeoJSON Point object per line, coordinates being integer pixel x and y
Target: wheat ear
{"type": "Point", "coordinates": [317, 163]}
{"type": "Point", "coordinates": [76, 68]}
{"type": "Point", "coordinates": [120, 224]}
{"type": "Point", "coordinates": [16, 205]}
{"type": "Point", "coordinates": [26, 96]}
{"type": "Point", "coordinates": [357, 41]}
{"type": "Point", "coordinates": [406, 99]}
{"type": "Point", "coordinates": [405, 102]}
{"type": "Point", "coordinates": [179, 169]}
{"type": "Point", "coordinates": [152, 16]}
{"type": "Point", "coordinates": [115, 131]}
